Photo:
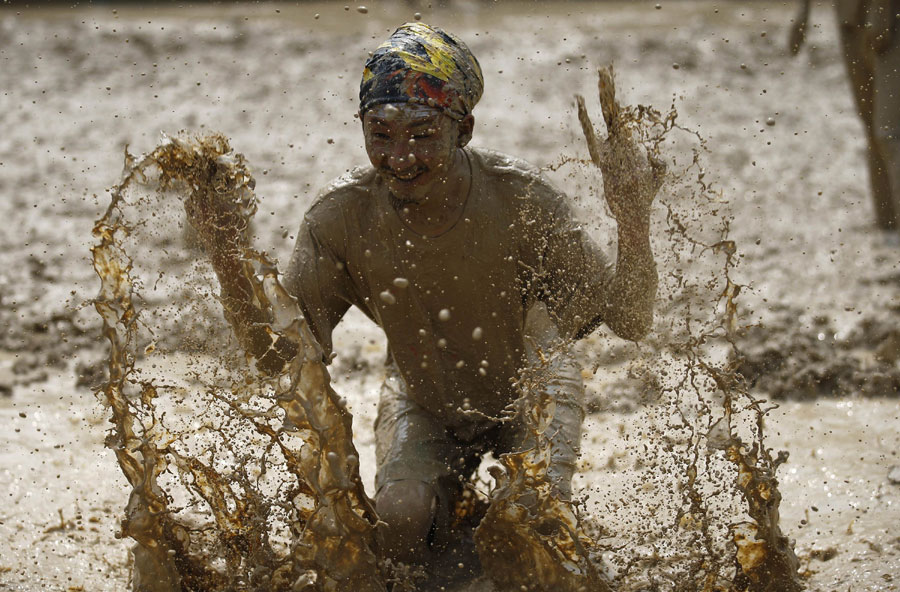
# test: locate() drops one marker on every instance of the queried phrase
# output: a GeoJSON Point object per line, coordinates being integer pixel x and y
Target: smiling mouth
{"type": "Point", "coordinates": [407, 176]}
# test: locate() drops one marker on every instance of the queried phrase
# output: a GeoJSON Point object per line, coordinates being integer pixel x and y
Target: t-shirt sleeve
{"type": "Point", "coordinates": [575, 273]}
{"type": "Point", "coordinates": [318, 278]}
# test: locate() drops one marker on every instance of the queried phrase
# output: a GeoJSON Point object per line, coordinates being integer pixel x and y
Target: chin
{"type": "Point", "coordinates": [407, 192]}
{"type": "Point", "coordinates": [406, 197]}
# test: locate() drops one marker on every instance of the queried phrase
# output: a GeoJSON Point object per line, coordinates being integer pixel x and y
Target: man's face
{"type": "Point", "coordinates": [413, 147]}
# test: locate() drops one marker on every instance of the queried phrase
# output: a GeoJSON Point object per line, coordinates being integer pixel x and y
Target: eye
{"type": "Point", "coordinates": [423, 133]}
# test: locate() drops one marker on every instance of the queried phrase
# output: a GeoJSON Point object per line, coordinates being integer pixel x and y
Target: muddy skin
{"type": "Point", "coordinates": [418, 158]}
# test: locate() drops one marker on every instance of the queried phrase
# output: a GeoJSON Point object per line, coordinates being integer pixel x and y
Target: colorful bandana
{"type": "Point", "coordinates": [422, 64]}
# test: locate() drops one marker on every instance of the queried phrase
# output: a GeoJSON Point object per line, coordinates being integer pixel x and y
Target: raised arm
{"type": "Point", "coordinates": [222, 228]}
{"type": "Point", "coordinates": [630, 182]}
{"type": "Point", "coordinates": [628, 309]}
{"type": "Point", "coordinates": [631, 179]}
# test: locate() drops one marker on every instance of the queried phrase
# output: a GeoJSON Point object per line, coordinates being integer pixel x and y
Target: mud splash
{"type": "Point", "coordinates": [709, 431]}
{"type": "Point", "coordinates": [243, 470]}
{"type": "Point", "coordinates": [310, 528]}
{"type": "Point", "coordinates": [530, 539]}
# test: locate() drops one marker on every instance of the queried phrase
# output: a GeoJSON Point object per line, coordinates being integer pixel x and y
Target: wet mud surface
{"type": "Point", "coordinates": [815, 319]}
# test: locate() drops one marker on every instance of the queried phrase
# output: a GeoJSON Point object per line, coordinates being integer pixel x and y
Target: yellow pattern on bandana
{"type": "Point", "coordinates": [439, 63]}
{"type": "Point", "coordinates": [422, 64]}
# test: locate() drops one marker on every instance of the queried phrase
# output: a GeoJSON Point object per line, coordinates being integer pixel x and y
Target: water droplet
{"type": "Point", "coordinates": [442, 343]}
{"type": "Point", "coordinates": [444, 315]}
{"type": "Point", "coordinates": [477, 333]}
{"type": "Point", "coordinates": [387, 297]}
{"type": "Point", "coordinates": [770, 121]}
{"type": "Point", "coordinates": [418, 16]}
{"type": "Point", "coordinates": [362, 10]}
{"type": "Point", "coordinates": [401, 282]}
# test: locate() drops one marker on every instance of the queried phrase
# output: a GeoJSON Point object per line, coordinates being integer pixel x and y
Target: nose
{"type": "Point", "coordinates": [401, 157]}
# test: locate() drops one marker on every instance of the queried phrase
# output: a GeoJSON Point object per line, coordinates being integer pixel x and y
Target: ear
{"type": "Point", "coordinates": [466, 127]}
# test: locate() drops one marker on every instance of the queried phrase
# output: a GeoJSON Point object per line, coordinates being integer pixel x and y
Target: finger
{"type": "Point", "coordinates": [606, 88]}
{"type": "Point", "coordinates": [587, 128]}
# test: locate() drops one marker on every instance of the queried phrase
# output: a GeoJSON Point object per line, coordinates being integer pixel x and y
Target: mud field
{"type": "Point", "coordinates": [819, 318]}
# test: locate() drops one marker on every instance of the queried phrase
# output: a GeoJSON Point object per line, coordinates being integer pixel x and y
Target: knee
{"type": "Point", "coordinates": [407, 510]}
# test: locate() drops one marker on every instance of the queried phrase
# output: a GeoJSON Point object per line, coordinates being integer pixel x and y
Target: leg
{"type": "Point", "coordinates": [886, 120]}
{"type": "Point", "coordinates": [528, 525]}
{"type": "Point", "coordinates": [415, 456]}
{"type": "Point", "coordinates": [150, 575]}
{"type": "Point", "coordinates": [408, 510]}
{"type": "Point", "coordinates": [566, 387]}
{"type": "Point", "coordinates": [859, 60]}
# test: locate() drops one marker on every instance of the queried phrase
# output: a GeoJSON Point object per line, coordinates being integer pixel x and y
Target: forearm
{"type": "Point", "coordinates": [243, 311]}
{"type": "Point", "coordinates": [632, 290]}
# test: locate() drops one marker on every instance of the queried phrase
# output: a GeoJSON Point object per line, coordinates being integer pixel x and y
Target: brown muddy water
{"type": "Point", "coordinates": [817, 315]}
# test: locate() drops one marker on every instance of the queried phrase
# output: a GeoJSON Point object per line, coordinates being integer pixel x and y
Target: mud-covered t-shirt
{"type": "Point", "coordinates": [452, 306]}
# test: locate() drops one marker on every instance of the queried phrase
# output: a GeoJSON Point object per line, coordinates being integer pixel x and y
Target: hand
{"type": "Point", "coordinates": [220, 208]}
{"type": "Point", "coordinates": [631, 177]}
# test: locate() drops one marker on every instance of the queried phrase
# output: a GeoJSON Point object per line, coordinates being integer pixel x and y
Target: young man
{"type": "Point", "coordinates": [470, 262]}
{"type": "Point", "coordinates": [452, 251]}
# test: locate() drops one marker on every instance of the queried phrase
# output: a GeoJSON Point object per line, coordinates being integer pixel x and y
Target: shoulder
{"type": "Point", "coordinates": [344, 197]}
{"type": "Point", "coordinates": [503, 167]}
{"type": "Point", "coordinates": [517, 180]}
